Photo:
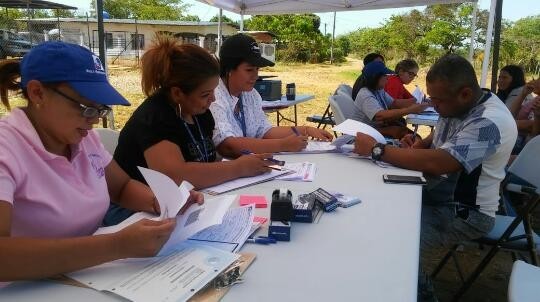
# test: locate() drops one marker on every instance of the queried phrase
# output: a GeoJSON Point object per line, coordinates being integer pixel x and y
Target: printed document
{"type": "Point", "coordinates": [302, 171]}
{"type": "Point", "coordinates": [244, 182]}
{"type": "Point", "coordinates": [175, 277]}
{"type": "Point", "coordinates": [235, 228]}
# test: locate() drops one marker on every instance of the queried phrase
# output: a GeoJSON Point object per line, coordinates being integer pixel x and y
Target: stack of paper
{"type": "Point", "coordinates": [302, 171]}
{"type": "Point", "coordinates": [176, 277]}
{"type": "Point", "coordinates": [233, 230]}
{"type": "Point", "coordinates": [314, 147]}
{"type": "Point", "coordinates": [244, 182]}
{"type": "Point", "coordinates": [171, 198]}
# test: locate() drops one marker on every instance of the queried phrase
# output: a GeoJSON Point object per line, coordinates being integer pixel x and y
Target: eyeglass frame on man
{"type": "Point", "coordinates": [86, 111]}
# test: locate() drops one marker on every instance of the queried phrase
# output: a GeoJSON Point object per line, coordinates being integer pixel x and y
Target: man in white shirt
{"type": "Point", "coordinates": [464, 159]}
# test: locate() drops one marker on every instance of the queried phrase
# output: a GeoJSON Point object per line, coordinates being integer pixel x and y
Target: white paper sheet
{"type": "Point", "coordinates": [304, 171]}
{"type": "Point", "coordinates": [351, 127]}
{"type": "Point", "coordinates": [171, 198]}
{"type": "Point", "coordinates": [244, 182]}
{"type": "Point", "coordinates": [235, 228]}
{"type": "Point", "coordinates": [419, 95]}
{"type": "Point", "coordinates": [197, 218]}
{"type": "Point", "coordinates": [314, 147]}
{"type": "Point", "coordinates": [175, 277]}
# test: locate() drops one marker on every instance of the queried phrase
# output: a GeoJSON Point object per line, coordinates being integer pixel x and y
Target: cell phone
{"type": "Point", "coordinates": [404, 179]}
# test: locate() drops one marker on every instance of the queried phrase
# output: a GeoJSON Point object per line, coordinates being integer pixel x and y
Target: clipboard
{"type": "Point", "coordinates": [207, 294]}
{"type": "Point", "coordinates": [211, 294]}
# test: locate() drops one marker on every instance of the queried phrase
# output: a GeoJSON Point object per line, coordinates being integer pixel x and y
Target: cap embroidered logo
{"type": "Point", "coordinates": [255, 48]}
{"type": "Point", "coordinates": [97, 64]}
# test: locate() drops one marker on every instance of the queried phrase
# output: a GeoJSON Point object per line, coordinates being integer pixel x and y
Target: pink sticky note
{"type": "Point", "coordinates": [259, 219]}
{"type": "Point", "coordinates": [258, 200]}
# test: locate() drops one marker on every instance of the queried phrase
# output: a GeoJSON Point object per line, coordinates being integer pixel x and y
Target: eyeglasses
{"type": "Point", "coordinates": [86, 111]}
{"type": "Point", "coordinates": [412, 74]}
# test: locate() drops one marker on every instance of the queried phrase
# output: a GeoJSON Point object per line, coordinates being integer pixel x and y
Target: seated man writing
{"type": "Point", "coordinates": [463, 159]}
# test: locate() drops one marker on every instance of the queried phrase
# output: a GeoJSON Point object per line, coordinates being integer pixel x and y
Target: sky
{"type": "Point", "coordinates": [348, 21]}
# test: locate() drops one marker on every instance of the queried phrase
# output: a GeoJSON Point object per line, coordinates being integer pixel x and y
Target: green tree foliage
{"type": "Point", "coordinates": [225, 19]}
{"type": "Point", "coordinates": [147, 9]}
{"type": "Point", "coordinates": [422, 35]}
{"type": "Point", "coordinates": [521, 43]}
{"type": "Point", "coordinates": [298, 37]}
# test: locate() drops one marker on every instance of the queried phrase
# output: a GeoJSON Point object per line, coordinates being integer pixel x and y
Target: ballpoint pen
{"type": "Point", "coordinates": [275, 161]}
{"type": "Point", "coordinates": [295, 131]}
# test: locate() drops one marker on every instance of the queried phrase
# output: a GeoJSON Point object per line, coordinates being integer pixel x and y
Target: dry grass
{"type": "Point", "coordinates": [318, 79]}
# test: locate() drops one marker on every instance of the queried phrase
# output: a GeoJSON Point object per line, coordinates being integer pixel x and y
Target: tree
{"type": "Point", "coordinates": [225, 19]}
{"type": "Point", "coordinates": [298, 36]}
{"type": "Point", "coordinates": [521, 43]}
{"type": "Point", "coordinates": [146, 9]}
{"type": "Point", "coordinates": [422, 35]}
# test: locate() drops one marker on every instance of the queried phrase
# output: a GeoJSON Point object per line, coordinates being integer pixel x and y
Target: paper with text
{"type": "Point", "coordinates": [244, 182]}
{"type": "Point", "coordinates": [235, 227]}
{"type": "Point", "coordinates": [176, 277]}
{"type": "Point", "coordinates": [302, 172]}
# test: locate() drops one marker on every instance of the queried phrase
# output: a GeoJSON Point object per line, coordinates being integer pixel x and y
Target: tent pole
{"type": "Point", "coordinates": [496, 45]}
{"type": "Point", "coordinates": [487, 49]}
{"type": "Point", "coordinates": [101, 33]}
{"type": "Point", "coordinates": [242, 22]}
{"type": "Point", "coordinates": [473, 32]}
{"type": "Point", "coordinates": [219, 38]}
{"type": "Point", "coordinates": [333, 37]}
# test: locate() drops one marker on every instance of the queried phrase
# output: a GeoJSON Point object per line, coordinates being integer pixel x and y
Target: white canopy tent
{"type": "Point", "coordinates": [276, 7]}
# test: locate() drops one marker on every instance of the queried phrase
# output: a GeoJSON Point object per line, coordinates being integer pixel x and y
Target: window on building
{"type": "Point", "coordinates": [137, 41]}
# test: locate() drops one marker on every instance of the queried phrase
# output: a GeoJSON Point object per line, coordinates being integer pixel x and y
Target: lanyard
{"type": "Point", "coordinates": [240, 116]}
{"type": "Point", "coordinates": [380, 99]}
{"type": "Point", "coordinates": [204, 156]}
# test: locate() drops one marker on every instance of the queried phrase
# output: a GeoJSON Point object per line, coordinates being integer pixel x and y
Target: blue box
{"type": "Point", "coordinates": [305, 208]}
{"type": "Point", "coordinates": [280, 230]}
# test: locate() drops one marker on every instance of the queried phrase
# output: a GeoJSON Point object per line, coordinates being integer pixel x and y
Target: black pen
{"type": "Point", "coordinates": [275, 161]}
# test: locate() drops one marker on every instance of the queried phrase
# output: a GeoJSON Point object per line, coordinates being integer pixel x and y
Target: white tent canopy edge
{"type": "Point", "coordinates": [276, 7]}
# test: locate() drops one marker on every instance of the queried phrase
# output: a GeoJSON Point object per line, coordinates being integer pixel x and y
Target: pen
{"type": "Point", "coordinates": [295, 131]}
{"type": "Point", "coordinates": [275, 161]}
{"type": "Point", "coordinates": [414, 134]}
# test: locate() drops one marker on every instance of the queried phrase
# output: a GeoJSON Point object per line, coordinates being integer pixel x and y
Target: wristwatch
{"type": "Point", "coordinates": [377, 151]}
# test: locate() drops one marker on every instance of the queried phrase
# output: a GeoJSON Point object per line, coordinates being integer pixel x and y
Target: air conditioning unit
{"type": "Point", "coordinates": [268, 51]}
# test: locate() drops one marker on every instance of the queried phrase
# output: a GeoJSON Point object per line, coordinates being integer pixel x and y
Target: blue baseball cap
{"type": "Point", "coordinates": [375, 68]}
{"type": "Point", "coordinates": [60, 62]}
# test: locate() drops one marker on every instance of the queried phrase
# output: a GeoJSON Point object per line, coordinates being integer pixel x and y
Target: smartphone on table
{"type": "Point", "coordinates": [404, 179]}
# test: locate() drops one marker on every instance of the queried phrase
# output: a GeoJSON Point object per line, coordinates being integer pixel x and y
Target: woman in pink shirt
{"type": "Point", "coordinates": [56, 179]}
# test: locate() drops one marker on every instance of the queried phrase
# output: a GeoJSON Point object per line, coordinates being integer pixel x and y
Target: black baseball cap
{"type": "Point", "coordinates": [243, 47]}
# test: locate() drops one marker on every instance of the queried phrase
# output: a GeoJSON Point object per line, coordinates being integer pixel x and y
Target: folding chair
{"type": "Point", "coordinates": [524, 281]}
{"type": "Point", "coordinates": [109, 138]}
{"type": "Point", "coordinates": [327, 118]}
{"type": "Point", "coordinates": [344, 89]}
{"type": "Point", "coordinates": [509, 233]}
{"type": "Point", "coordinates": [342, 107]}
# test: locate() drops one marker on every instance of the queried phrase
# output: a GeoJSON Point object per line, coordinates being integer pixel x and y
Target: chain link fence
{"type": "Point", "coordinates": [125, 39]}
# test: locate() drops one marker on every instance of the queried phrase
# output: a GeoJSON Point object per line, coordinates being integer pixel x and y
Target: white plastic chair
{"type": "Point", "coordinates": [509, 233]}
{"type": "Point", "coordinates": [524, 285]}
{"type": "Point", "coordinates": [109, 138]}
{"type": "Point", "coordinates": [342, 107]}
{"type": "Point", "coordinates": [344, 89]}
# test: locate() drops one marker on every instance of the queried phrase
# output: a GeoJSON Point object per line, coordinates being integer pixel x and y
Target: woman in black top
{"type": "Point", "coordinates": [171, 131]}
